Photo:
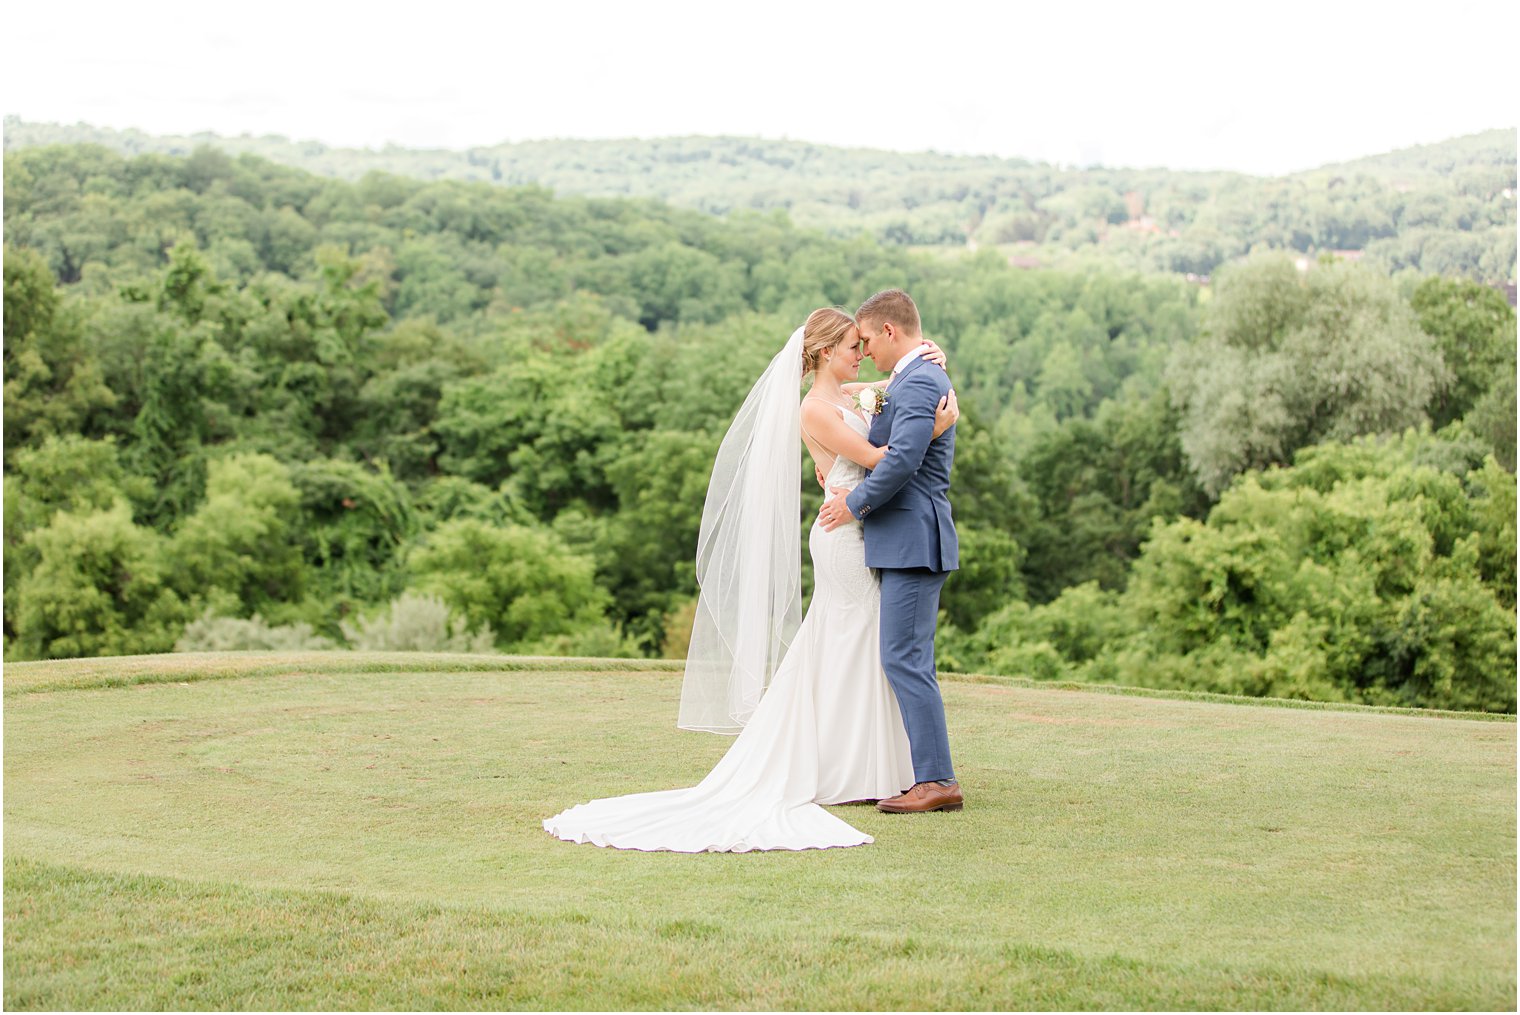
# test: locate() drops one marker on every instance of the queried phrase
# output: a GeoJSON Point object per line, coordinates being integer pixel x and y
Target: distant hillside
{"type": "Point", "coordinates": [1446, 208]}
{"type": "Point", "coordinates": [1473, 154]}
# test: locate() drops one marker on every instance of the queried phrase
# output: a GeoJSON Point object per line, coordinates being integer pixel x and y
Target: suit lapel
{"type": "Point", "coordinates": [883, 419]}
{"type": "Point", "coordinates": [905, 371]}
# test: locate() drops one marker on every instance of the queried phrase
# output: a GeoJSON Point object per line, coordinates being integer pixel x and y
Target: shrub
{"type": "Point", "coordinates": [208, 633]}
{"type": "Point", "coordinates": [678, 624]}
{"type": "Point", "coordinates": [417, 623]}
{"type": "Point", "coordinates": [97, 589]}
{"type": "Point", "coordinates": [522, 582]}
{"type": "Point", "coordinates": [597, 640]}
{"type": "Point", "coordinates": [1380, 571]}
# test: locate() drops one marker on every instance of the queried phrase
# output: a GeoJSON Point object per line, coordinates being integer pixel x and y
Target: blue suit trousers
{"type": "Point", "coordinates": [909, 610]}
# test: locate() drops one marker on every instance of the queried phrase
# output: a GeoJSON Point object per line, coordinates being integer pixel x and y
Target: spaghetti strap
{"type": "Point", "coordinates": [825, 401]}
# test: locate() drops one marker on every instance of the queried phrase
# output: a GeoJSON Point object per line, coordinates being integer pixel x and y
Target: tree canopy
{"type": "Point", "coordinates": [251, 405]}
{"type": "Point", "coordinates": [1446, 208]}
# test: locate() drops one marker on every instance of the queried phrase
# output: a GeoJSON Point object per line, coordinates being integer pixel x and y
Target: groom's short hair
{"type": "Point", "coordinates": [891, 305]}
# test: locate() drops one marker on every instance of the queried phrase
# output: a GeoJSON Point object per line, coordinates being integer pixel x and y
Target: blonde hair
{"type": "Point", "coordinates": [892, 305]}
{"type": "Point", "coordinates": [826, 327]}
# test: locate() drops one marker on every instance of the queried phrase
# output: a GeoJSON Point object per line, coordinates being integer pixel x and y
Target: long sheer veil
{"type": "Point", "coordinates": [748, 555]}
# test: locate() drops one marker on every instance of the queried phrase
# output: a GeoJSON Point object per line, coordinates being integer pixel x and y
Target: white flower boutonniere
{"type": "Point", "coordinates": [871, 399]}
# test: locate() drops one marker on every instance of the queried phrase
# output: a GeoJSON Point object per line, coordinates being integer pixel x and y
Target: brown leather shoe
{"type": "Point", "coordinates": [924, 796]}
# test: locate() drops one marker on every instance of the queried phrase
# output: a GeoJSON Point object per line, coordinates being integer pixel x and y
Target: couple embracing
{"type": "Point", "coordinates": [845, 707]}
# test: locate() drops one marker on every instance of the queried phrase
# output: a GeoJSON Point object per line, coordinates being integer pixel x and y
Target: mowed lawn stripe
{"type": "Point", "coordinates": [82, 940]}
{"type": "Point", "coordinates": [1142, 851]}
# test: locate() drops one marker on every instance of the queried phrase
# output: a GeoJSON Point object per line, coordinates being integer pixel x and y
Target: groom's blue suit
{"type": "Point", "coordinates": [905, 509]}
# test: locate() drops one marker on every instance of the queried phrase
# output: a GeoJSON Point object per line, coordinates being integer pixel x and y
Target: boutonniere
{"type": "Point", "coordinates": [870, 399]}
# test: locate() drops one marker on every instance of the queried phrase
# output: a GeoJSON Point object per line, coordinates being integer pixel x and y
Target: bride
{"type": "Point", "coordinates": [817, 721]}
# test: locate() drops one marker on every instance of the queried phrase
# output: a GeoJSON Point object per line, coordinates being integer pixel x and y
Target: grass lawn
{"type": "Point", "coordinates": [362, 831]}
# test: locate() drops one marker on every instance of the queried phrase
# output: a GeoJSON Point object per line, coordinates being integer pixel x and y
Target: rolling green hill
{"type": "Point", "coordinates": [1446, 208]}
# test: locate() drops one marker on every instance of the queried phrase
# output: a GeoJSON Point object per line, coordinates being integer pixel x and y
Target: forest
{"type": "Point", "coordinates": [1442, 209]}
{"type": "Point", "coordinates": [252, 406]}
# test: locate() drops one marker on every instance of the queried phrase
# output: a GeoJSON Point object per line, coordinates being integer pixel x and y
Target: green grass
{"type": "Point", "coordinates": [362, 831]}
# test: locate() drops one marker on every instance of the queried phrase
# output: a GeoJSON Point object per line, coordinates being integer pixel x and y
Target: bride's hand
{"type": "Point", "coordinates": [933, 353]}
{"type": "Point", "coordinates": [946, 413]}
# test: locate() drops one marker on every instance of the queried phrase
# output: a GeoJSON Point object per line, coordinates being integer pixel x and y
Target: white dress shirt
{"type": "Point", "coordinates": [915, 354]}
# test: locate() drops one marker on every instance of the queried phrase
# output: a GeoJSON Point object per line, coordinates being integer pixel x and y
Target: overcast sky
{"type": "Point", "coordinates": [1261, 88]}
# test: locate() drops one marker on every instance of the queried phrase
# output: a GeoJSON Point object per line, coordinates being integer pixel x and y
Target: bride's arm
{"type": "Point", "coordinates": [946, 413]}
{"type": "Point", "coordinates": [836, 437]}
{"type": "Point", "coordinates": [823, 423]}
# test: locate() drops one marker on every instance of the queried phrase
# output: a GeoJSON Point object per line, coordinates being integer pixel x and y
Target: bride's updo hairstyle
{"type": "Point", "coordinates": [826, 327]}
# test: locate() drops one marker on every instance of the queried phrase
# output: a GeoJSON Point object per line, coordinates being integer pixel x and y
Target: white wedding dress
{"type": "Point", "coordinates": [828, 730]}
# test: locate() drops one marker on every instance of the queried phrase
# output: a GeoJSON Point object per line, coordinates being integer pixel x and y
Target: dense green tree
{"type": "Point", "coordinates": [70, 473]}
{"type": "Point", "coordinates": [1043, 642]}
{"type": "Point", "coordinates": [53, 384]}
{"type": "Point", "coordinates": [990, 575]}
{"type": "Point", "coordinates": [239, 551]}
{"type": "Point", "coordinates": [1494, 418]}
{"type": "Point", "coordinates": [645, 550]}
{"type": "Point", "coordinates": [1474, 327]}
{"type": "Point", "coordinates": [397, 406]}
{"type": "Point", "coordinates": [299, 388]}
{"type": "Point", "coordinates": [1292, 358]}
{"type": "Point", "coordinates": [1377, 572]}
{"type": "Point", "coordinates": [97, 588]}
{"type": "Point", "coordinates": [1337, 595]}
{"type": "Point", "coordinates": [993, 517]}
{"type": "Point", "coordinates": [354, 522]}
{"type": "Point", "coordinates": [1099, 484]}
{"type": "Point", "coordinates": [1438, 208]}
{"type": "Point", "coordinates": [524, 583]}
{"type": "Point", "coordinates": [529, 423]}
{"type": "Point", "coordinates": [169, 433]}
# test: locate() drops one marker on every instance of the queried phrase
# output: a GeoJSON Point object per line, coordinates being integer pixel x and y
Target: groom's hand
{"type": "Point", "coordinates": [835, 512]}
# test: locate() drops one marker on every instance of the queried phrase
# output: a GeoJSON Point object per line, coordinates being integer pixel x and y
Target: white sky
{"type": "Point", "coordinates": [1263, 88]}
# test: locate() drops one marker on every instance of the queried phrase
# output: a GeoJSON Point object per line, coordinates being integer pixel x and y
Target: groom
{"type": "Point", "coordinates": [905, 511]}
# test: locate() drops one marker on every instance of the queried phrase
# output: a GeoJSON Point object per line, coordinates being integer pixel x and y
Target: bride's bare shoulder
{"type": "Point", "coordinates": [817, 408]}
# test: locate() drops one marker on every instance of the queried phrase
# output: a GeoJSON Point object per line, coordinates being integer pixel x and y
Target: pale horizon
{"type": "Point", "coordinates": [1184, 86]}
{"type": "Point", "coordinates": [380, 148]}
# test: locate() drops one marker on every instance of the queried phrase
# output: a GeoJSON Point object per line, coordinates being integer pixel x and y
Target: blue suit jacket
{"type": "Point", "coordinates": [904, 504]}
